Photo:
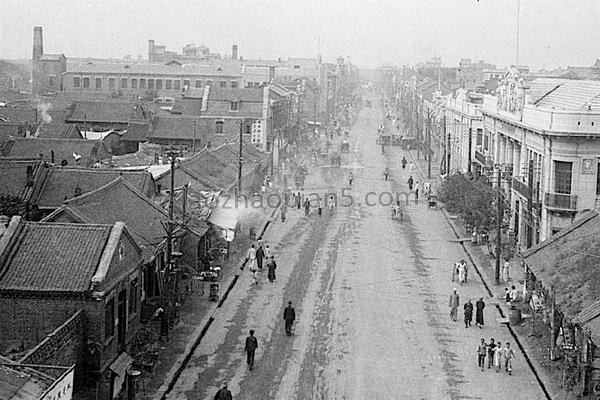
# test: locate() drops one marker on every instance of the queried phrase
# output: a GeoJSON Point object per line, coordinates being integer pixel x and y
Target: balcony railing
{"type": "Point", "coordinates": [520, 187]}
{"type": "Point", "coordinates": [560, 202]}
{"type": "Point", "coordinates": [524, 190]}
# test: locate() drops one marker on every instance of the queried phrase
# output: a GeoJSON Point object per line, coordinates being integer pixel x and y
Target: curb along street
{"type": "Point", "coordinates": [203, 327]}
{"type": "Point", "coordinates": [484, 279]}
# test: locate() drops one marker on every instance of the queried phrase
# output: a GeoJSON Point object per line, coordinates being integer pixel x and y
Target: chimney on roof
{"type": "Point", "coordinates": [29, 178]}
{"type": "Point", "coordinates": [38, 42]}
{"type": "Point", "coordinates": [271, 74]}
{"type": "Point", "coordinates": [234, 52]}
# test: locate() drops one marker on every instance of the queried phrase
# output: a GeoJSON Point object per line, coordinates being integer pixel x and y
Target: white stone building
{"type": "Point", "coordinates": [546, 136]}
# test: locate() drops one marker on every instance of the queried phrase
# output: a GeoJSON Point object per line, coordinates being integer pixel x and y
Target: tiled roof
{"type": "Point", "coordinates": [91, 151]}
{"type": "Point", "coordinates": [116, 111]}
{"type": "Point", "coordinates": [179, 127]}
{"type": "Point", "coordinates": [242, 94]}
{"type": "Point", "coordinates": [19, 114]}
{"type": "Point", "coordinates": [119, 201]}
{"type": "Point", "coordinates": [50, 257]}
{"type": "Point", "coordinates": [61, 183]}
{"type": "Point", "coordinates": [14, 129]}
{"type": "Point", "coordinates": [190, 106]}
{"type": "Point", "coordinates": [58, 131]}
{"type": "Point", "coordinates": [218, 168]}
{"type": "Point", "coordinates": [568, 260]}
{"type": "Point", "coordinates": [587, 314]}
{"type": "Point", "coordinates": [156, 69]}
{"type": "Point", "coordinates": [13, 177]}
{"type": "Point", "coordinates": [279, 90]}
{"type": "Point", "coordinates": [565, 94]}
{"type": "Point", "coordinates": [136, 132]}
{"type": "Point", "coordinates": [209, 170]}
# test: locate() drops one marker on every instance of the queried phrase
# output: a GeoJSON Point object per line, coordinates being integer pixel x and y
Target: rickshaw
{"type": "Point", "coordinates": [384, 139]}
{"type": "Point", "coordinates": [431, 201]}
{"type": "Point", "coordinates": [345, 147]}
{"type": "Point", "coordinates": [336, 159]}
{"type": "Point", "coordinates": [396, 140]}
{"type": "Point", "coordinates": [408, 142]}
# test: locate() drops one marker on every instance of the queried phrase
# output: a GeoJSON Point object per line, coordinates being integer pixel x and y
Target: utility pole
{"type": "Point", "coordinates": [194, 140]}
{"type": "Point", "coordinates": [499, 218]}
{"type": "Point", "coordinates": [529, 218]}
{"type": "Point", "coordinates": [239, 185]}
{"type": "Point", "coordinates": [469, 159]}
{"type": "Point", "coordinates": [447, 138]}
{"type": "Point", "coordinates": [419, 110]}
{"type": "Point", "coordinates": [172, 154]}
{"type": "Point", "coordinates": [429, 144]}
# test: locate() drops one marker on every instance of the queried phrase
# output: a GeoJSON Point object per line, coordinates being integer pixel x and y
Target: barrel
{"type": "Point", "coordinates": [514, 316]}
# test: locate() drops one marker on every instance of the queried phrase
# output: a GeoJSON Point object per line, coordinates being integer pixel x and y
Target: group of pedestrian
{"type": "Point", "coordinates": [498, 356]}
{"type": "Point", "coordinates": [257, 258]}
{"type": "Point", "coordinates": [454, 303]}
{"type": "Point", "coordinates": [289, 317]}
{"type": "Point", "coordinates": [460, 270]}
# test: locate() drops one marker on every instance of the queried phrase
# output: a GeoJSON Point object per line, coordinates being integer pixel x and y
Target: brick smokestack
{"type": "Point", "coordinates": [234, 52]}
{"type": "Point", "coordinates": [38, 43]}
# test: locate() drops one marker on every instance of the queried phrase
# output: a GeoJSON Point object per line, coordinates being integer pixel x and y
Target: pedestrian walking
{"type": "Point", "coordinates": [260, 255]}
{"type": "Point", "coordinates": [481, 353]}
{"type": "Point", "coordinates": [224, 393]}
{"type": "Point", "coordinates": [404, 162]}
{"type": "Point", "coordinates": [508, 355]}
{"type": "Point", "coordinates": [251, 257]}
{"type": "Point", "coordinates": [298, 200]}
{"type": "Point", "coordinates": [410, 182]}
{"type": "Point", "coordinates": [462, 272]}
{"type": "Point", "coordinates": [417, 194]}
{"type": "Point", "coordinates": [468, 310]}
{"type": "Point", "coordinates": [498, 357]}
{"type": "Point", "coordinates": [453, 304]}
{"type": "Point", "coordinates": [283, 210]}
{"type": "Point", "coordinates": [320, 207]}
{"type": "Point", "coordinates": [271, 267]}
{"type": "Point", "coordinates": [250, 348]}
{"type": "Point", "coordinates": [289, 316]}
{"type": "Point", "coordinates": [306, 207]}
{"type": "Point", "coordinates": [506, 270]}
{"type": "Point", "coordinates": [479, 306]}
{"type": "Point", "coordinates": [455, 270]}
{"type": "Point", "coordinates": [491, 350]}
{"type": "Point", "coordinates": [330, 205]}
{"type": "Point", "coordinates": [411, 168]}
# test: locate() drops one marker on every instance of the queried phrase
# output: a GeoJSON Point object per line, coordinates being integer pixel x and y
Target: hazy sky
{"type": "Point", "coordinates": [371, 32]}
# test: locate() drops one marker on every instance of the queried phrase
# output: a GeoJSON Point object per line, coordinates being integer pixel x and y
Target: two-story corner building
{"type": "Point", "coordinates": [51, 271]}
{"type": "Point", "coordinates": [548, 135]}
{"type": "Point", "coordinates": [464, 131]}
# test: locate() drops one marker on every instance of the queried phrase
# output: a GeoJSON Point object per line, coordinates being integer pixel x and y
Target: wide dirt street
{"type": "Point", "coordinates": [371, 298]}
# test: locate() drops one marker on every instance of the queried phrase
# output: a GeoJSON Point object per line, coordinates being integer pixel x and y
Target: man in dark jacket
{"type": "Point", "coordinates": [289, 315]}
{"type": "Point", "coordinates": [250, 348]}
{"type": "Point", "coordinates": [260, 255]}
{"type": "Point", "coordinates": [224, 393]}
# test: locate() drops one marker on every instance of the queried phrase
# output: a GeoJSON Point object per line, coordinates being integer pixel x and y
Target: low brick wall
{"type": "Point", "coordinates": [64, 346]}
